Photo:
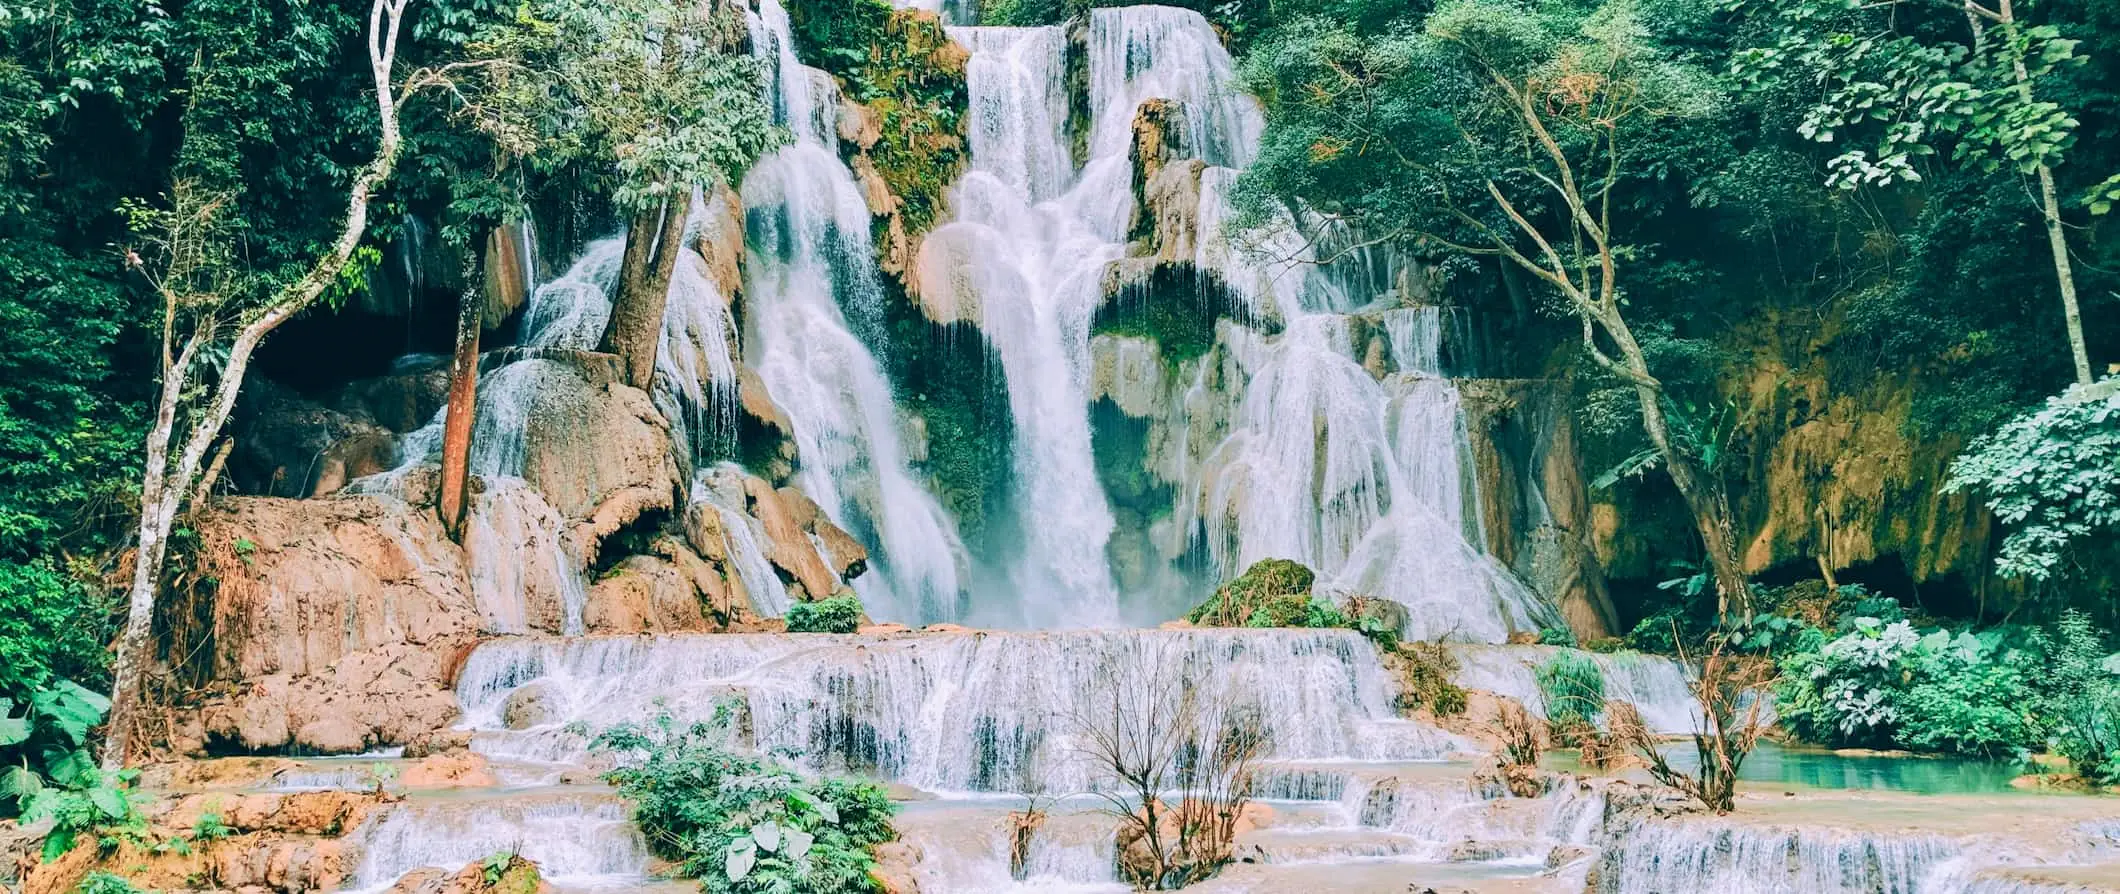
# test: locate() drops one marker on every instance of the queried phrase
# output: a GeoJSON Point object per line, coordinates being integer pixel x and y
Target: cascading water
{"type": "Point", "coordinates": [1028, 253]}
{"type": "Point", "coordinates": [994, 712]}
{"type": "Point", "coordinates": [812, 284]}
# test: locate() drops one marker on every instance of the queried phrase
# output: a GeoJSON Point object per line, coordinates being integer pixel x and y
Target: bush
{"type": "Point", "coordinates": [1233, 604]}
{"type": "Point", "coordinates": [1425, 672]}
{"type": "Point", "coordinates": [1573, 688]}
{"type": "Point", "coordinates": [839, 614]}
{"type": "Point", "coordinates": [738, 824]}
{"type": "Point", "coordinates": [2082, 698]}
{"type": "Point", "coordinates": [1886, 684]}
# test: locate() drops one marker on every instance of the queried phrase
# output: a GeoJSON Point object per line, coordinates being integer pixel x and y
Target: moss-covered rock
{"type": "Point", "coordinates": [1272, 589]}
{"type": "Point", "coordinates": [905, 140]}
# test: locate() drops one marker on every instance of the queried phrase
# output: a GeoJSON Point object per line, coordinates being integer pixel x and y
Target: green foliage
{"type": "Point", "coordinates": [104, 883]}
{"type": "Point", "coordinates": [1891, 85]}
{"type": "Point", "coordinates": [1427, 675]}
{"type": "Point", "coordinates": [2080, 700]}
{"type": "Point", "coordinates": [838, 614]}
{"type": "Point", "coordinates": [1556, 636]}
{"type": "Point", "coordinates": [738, 824]}
{"type": "Point", "coordinates": [899, 64]}
{"type": "Point", "coordinates": [1886, 684]}
{"type": "Point", "coordinates": [1234, 603]}
{"type": "Point", "coordinates": [51, 626]}
{"type": "Point", "coordinates": [2052, 475]}
{"type": "Point", "coordinates": [1572, 685]}
{"type": "Point", "coordinates": [587, 85]}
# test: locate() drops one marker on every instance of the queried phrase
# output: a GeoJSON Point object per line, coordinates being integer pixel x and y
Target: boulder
{"type": "Point", "coordinates": [787, 544]}
{"type": "Point", "coordinates": [327, 629]}
{"type": "Point", "coordinates": [595, 449]}
{"type": "Point", "coordinates": [528, 706]}
{"type": "Point", "coordinates": [669, 589]}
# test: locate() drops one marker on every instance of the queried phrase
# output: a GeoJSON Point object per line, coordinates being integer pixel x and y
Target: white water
{"type": "Point", "coordinates": [1030, 252]}
{"type": "Point", "coordinates": [972, 712]}
{"type": "Point", "coordinates": [1656, 686]}
{"type": "Point", "coordinates": [576, 839]}
{"type": "Point", "coordinates": [811, 283]}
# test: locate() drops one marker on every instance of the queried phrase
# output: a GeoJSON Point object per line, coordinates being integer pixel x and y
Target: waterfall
{"type": "Point", "coordinates": [575, 838]}
{"type": "Point", "coordinates": [968, 712]}
{"type": "Point", "coordinates": [812, 285]}
{"type": "Point", "coordinates": [1658, 687]}
{"type": "Point", "coordinates": [1031, 257]}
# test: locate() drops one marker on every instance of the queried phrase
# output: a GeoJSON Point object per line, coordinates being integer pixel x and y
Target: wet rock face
{"type": "Point", "coordinates": [329, 626]}
{"type": "Point", "coordinates": [594, 446]}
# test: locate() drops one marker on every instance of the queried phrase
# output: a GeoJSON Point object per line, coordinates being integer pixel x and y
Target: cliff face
{"type": "Point", "coordinates": [1824, 471]}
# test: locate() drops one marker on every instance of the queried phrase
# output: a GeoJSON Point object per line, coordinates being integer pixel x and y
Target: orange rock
{"type": "Point", "coordinates": [461, 769]}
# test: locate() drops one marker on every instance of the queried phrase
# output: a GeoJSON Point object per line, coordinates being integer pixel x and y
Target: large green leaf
{"type": "Point", "coordinates": [19, 782]}
{"type": "Point", "coordinates": [111, 801]}
{"type": "Point", "coordinates": [743, 855]}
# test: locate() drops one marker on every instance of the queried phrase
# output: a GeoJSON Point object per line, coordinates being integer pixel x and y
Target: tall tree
{"type": "Point", "coordinates": [1897, 79]}
{"type": "Point", "coordinates": [212, 323]}
{"type": "Point", "coordinates": [1497, 130]}
{"type": "Point", "coordinates": [656, 98]}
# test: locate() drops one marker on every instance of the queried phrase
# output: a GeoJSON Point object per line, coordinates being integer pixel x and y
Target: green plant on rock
{"type": "Point", "coordinates": [1572, 684]}
{"type": "Point", "coordinates": [738, 823]}
{"type": "Point", "coordinates": [1235, 602]}
{"type": "Point", "coordinates": [839, 614]}
{"type": "Point", "coordinates": [104, 883]}
{"type": "Point", "coordinates": [1426, 673]}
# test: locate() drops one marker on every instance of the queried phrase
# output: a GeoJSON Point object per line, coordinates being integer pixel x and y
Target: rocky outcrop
{"type": "Point", "coordinates": [596, 449]}
{"type": "Point", "coordinates": [668, 590]}
{"type": "Point", "coordinates": [1533, 501]}
{"type": "Point", "coordinates": [512, 875]}
{"type": "Point", "coordinates": [328, 626]}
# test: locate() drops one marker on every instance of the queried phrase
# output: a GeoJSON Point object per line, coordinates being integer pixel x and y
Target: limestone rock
{"type": "Point", "coordinates": [327, 625]}
{"type": "Point", "coordinates": [461, 769]}
{"type": "Point", "coordinates": [668, 590]}
{"type": "Point", "coordinates": [528, 706]}
{"type": "Point", "coordinates": [787, 544]}
{"type": "Point", "coordinates": [845, 555]}
{"type": "Point", "coordinates": [590, 446]}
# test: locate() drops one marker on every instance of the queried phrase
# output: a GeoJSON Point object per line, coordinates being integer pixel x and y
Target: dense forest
{"type": "Point", "coordinates": [1828, 292]}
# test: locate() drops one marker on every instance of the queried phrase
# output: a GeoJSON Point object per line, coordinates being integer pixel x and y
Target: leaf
{"type": "Point", "coordinates": [767, 834]}
{"type": "Point", "coordinates": [13, 730]}
{"type": "Point", "coordinates": [798, 844]}
{"type": "Point", "coordinates": [57, 844]}
{"type": "Point", "coordinates": [19, 782]}
{"type": "Point", "coordinates": [69, 768]}
{"type": "Point", "coordinates": [111, 801]}
{"type": "Point", "coordinates": [742, 856]}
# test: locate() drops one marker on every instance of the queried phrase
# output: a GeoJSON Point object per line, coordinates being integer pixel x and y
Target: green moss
{"type": "Point", "coordinates": [1264, 587]}
{"type": "Point", "coordinates": [1119, 443]}
{"type": "Point", "coordinates": [904, 68]}
{"type": "Point", "coordinates": [1176, 307]}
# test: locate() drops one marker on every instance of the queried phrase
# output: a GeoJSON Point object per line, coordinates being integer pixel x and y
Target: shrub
{"type": "Point", "coordinates": [1556, 636]}
{"type": "Point", "coordinates": [1572, 685]}
{"type": "Point", "coordinates": [1425, 672]}
{"type": "Point", "coordinates": [738, 824]}
{"type": "Point", "coordinates": [839, 614]}
{"type": "Point", "coordinates": [1886, 684]}
{"type": "Point", "coordinates": [1233, 604]}
{"type": "Point", "coordinates": [2081, 701]}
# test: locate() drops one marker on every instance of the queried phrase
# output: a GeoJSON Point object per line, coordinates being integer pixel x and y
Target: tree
{"type": "Point", "coordinates": [211, 326]}
{"type": "Point", "coordinates": [1497, 130]}
{"type": "Point", "coordinates": [2052, 475]}
{"type": "Point", "coordinates": [1151, 728]}
{"type": "Point", "coordinates": [652, 96]}
{"type": "Point", "coordinates": [1889, 76]}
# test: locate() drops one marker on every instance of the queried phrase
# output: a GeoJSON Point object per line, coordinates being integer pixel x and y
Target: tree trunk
{"type": "Point", "coordinates": [1703, 495]}
{"type": "Point", "coordinates": [2050, 209]}
{"type": "Point", "coordinates": [463, 411]}
{"type": "Point", "coordinates": [163, 487]}
{"type": "Point", "coordinates": [635, 329]}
